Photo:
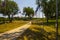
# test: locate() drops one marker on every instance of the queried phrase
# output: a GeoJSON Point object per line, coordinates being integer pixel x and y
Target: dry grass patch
{"type": "Point", "coordinates": [44, 30]}
{"type": "Point", "coordinates": [38, 32]}
{"type": "Point", "coordinates": [37, 27]}
{"type": "Point", "coordinates": [34, 28]}
{"type": "Point", "coordinates": [10, 26]}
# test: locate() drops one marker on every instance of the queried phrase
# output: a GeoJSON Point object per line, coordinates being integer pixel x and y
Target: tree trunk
{"type": "Point", "coordinates": [47, 18]}
{"type": "Point", "coordinates": [12, 18]}
{"type": "Point", "coordinates": [9, 18]}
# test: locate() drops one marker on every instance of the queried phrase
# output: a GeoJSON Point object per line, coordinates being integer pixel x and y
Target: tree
{"type": "Point", "coordinates": [44, 5]}
{"type": "Point", "coordinates": [58, 7]}
{"type": "Point", "coordinates": [0, 5]}
{"type": "Point", "coordinates": [9, 8]}
{"type": "Point", "coordinates": [48, 8]}
{"type": "Point", "coordinates": [29, 12]}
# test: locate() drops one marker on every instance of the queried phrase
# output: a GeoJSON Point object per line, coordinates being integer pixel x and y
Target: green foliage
{"type": "Point", "coordinates": [49, 7]}
{"type": "Point", "coordinates": [9, 7]}
{"type": "Point", "coordinates": [59, 7]}
{"type": "Point", "coordinates": [29, 11]}
{"type": "Point", "coordinates": [0, 2]}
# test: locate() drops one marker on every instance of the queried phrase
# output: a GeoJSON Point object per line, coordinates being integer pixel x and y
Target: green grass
{"type": "Point", "coordinates": [51, 24]}
{"type": "Point", "coordinates": [10, 26]}
{"type": "Point", "coordinates": [38, 32]}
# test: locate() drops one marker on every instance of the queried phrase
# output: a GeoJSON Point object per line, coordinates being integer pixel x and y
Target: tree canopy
{"type": "Point", "coordinates": [49, 7]}
{"type": "Point", "coordinates": [8, 8]}
{"type": "Point", "coordinates": [0, 4]}
{"type": "Point", "coordinates": [28, 11]}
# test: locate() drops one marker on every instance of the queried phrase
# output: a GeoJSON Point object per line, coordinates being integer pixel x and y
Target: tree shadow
{"type": "Point", "coordinates": [44, 23]}
{"type": "Point", "coordinates": [41, 35]}
{"type": "Point", "coordinates": [59, 37]}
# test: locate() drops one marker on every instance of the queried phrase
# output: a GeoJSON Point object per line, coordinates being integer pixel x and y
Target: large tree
{"type": "Point", "coordinates": [9, 8]}
{"type": "Point", "coordinates": [28, 12]}
{"type": "Point", "coordinates": [0, 5]}
{"type": "Point", "coordinates": [48, 7]}
{"type": "Point", "coordinates": [44, 5]}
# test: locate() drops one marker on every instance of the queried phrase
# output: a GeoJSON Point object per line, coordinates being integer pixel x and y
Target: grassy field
{"type": "Point", "coordinates": [51, 23]}
{"type": "Point", "coordinates": [10, 26]}
{"type": "Point", "coordinates": [40, 31]}
{"type": "Point", "coordinates": [50, 27]}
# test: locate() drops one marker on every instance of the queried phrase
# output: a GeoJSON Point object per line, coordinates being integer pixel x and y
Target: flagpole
{"type": "Point", "coordinates": [56, 19]}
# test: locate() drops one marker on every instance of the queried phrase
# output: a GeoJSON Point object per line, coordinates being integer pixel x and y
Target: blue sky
{"type": "Point", "coordinates": [27, 3]}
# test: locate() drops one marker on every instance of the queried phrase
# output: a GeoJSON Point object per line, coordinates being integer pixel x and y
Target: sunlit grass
{"type": "Point", "coordinates": [25, 38]}
{"type": "Point", "coordinates": [48, 29]}
{"type": "Point", "coordinates": [37, 27]}
{"type": "Point", "coordinates": [34, 28]}
{"type": "Point", "coordinates": [10, 26]}
{"type": "Point", "coordinates": [39, 32]}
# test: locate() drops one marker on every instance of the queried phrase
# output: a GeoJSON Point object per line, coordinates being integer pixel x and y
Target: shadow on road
{"type": "Point", "coordinates": [41, 35]}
